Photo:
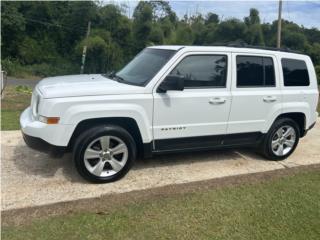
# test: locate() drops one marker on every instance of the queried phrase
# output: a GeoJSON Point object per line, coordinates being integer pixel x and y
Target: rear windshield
{"type": "Point", "coordinates": [295, 72]}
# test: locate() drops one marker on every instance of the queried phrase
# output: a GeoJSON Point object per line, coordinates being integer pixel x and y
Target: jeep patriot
{"type": "Point", "coordinates": [175, 98]}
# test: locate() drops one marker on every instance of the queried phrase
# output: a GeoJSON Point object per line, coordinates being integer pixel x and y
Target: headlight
{"type": "Point", "coordinates": [35, 103]}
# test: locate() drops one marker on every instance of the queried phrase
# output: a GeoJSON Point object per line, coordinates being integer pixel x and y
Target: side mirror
{"type": "Point", "coordinates": [175, 83]}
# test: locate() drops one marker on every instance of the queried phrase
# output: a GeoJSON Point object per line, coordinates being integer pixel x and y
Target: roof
{"type": "Point", "coordinates": [168, 47]}
{"type": "Point", "coordinates": [230, 48]}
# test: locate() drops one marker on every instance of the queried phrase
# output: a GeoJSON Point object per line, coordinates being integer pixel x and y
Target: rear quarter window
{"type": "Point", "coordinates": [295, 72]}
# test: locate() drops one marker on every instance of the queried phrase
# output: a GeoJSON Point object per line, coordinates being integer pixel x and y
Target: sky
{"type": "Point", "coordinates": [306, 13]}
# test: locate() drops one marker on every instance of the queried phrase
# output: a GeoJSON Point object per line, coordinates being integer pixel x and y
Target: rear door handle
{"type": "Point", "coordinates": [217, 100]}
{"type": "Point", "coordinates": [270, 99]}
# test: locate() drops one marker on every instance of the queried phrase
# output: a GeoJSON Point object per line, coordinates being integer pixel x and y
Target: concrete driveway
{"type": "Point", "coordinates": [30, 178]}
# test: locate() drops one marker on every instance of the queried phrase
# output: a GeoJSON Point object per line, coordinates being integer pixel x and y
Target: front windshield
{"type": "Point", "coordinates": [144, 66]}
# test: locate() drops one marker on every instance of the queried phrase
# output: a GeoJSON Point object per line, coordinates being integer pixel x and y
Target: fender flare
{"type": "Point", "coordinates": [77, 114]}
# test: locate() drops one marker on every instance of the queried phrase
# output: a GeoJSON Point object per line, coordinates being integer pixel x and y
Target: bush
{"type": "Point", "coordinates": [318, 73]}
{"type": "Point", "coordinates": [16, 69]}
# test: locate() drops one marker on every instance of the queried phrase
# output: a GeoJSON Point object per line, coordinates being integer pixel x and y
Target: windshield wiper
{"type": "Point", "coordinates": [109, 75]}
{"type": "Point", "coordinates": [119, 79]}
{"type": "Point", "coordinates": [115, 77]}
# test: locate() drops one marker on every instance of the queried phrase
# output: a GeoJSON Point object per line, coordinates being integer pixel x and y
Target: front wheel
{"type": "Point", "coordinates": [281, 140]}
{"type": "Point", "coordinates": [104, 153]}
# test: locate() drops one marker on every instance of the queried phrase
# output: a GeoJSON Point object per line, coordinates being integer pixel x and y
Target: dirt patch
{"type": "Point", "coordinates": [107, 202]}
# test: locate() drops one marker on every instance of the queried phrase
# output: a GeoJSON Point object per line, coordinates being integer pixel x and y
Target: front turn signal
{"type": "Point", "coordinates": [49, 120]}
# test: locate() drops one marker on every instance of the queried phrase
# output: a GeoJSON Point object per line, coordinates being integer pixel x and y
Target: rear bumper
{"type": "Point", "coordinates": [43, 146]}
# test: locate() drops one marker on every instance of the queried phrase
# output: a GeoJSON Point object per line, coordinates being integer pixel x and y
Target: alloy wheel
{"type": "Point", "coordinates": [283, 140]}
{"type": "Point", "coordinates": [106, 156]}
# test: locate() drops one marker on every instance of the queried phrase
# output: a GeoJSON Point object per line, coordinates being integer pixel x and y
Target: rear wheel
{"type": "Point", "coordinates": [281, 140]}
{"type": "Point", "coordinates": [104, 153]}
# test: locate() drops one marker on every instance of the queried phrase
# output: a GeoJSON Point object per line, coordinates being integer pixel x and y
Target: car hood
{"type": "Point", "coordinates": [84, 85]}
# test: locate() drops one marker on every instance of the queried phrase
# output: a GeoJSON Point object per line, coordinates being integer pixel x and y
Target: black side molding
{"type": "Point", "coordinates": [203, 143]}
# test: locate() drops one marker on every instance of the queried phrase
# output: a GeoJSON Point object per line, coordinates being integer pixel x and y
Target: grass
{"type": "Point", "coordinates": [286, 208]}
{"type": "Point", "coordinates": [15, 100]}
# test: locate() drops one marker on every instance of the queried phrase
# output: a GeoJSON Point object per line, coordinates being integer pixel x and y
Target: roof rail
{"type": "Point", "coordinates": [244, 45]}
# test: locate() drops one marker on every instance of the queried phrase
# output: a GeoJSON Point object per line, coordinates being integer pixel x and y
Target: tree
{"type": "Point", "coordinates": [52, 34]}
{"type": "Point", "coordinates": [102, 54]}
{"type": "Point", "coordinates": [198, 28]}
{"type": "Point", "coordinates": [167, 27]}
{"type": "Point", "coordinates": [156, 36]}
{"type": "Point", "coordinates": [230, 30]}
{"type": "Point", "coordinates": [318, 73]}
{"type": "Point", "coordinates": [293, 40]}
{"type": "Point", "coordinates": [212, 18]}
{"type": "Point", "coordinates": [161, 10]}
{"type": "Point", "coordinates": [255, 35]}
{"type": "Point", "coordinates": [184, 35]}
{"type": "Point", "coordinates": [12, 28]}
{"type": "Point", "coordinates": [142, 24]}
{"type": "Point", "coordinates": [253, 17]}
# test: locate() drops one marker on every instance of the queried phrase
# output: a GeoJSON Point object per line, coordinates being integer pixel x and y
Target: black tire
{"type": "Point", "coordinates": [88, 137]}
{"type": "Point", "coordinates": [266, 146]}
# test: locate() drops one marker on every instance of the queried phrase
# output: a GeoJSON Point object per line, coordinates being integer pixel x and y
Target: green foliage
{"type": "Point", "coordinates": [318, 73]}
{"type": "Point", "coordinates": [293, 40]}
{"type": "Point", "coordinates": [254, 33]}
{"type": "Point", "coordinates": [314, 52]}
{"type": "Point", "coordinates": [14, 68]}
{"type": "Point", "coordinates": [212, 18]}
{"type": "Point", "coordinates": [142, 24]}
{"type": "Point", "coordinates": [156, 35]}
{"type": "Point", "coordinates": [184, 35]}
{"type": "Point", "coordinates": [47, 38]}
{"type": "Point", "coordinates": [24, 89]}
{"type": "Point", "coordinates": [102, 53]}
{"type": "Point", "coordinates": [230, 30]}
{"type": "Point", "coordinates": [12, 24]}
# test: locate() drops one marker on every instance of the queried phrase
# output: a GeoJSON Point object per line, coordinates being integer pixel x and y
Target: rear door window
{"type": "Point", "coordinates": [255, 71]}
{"type": "Point", "coordinates": [295, 72]}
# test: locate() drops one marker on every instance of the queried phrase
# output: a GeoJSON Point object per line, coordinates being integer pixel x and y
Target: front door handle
{"type": "Point", "coordinates": [269, 99]}
{"type": "Point", "coordinates": [217, 100]}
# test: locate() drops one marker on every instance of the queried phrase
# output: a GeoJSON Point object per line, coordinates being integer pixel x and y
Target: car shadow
{"type": "Point", "coordinates": [188, 157]}
{"type": "Point", "coordinates": [35, 163]}
{"type": "Point", "coordinates": [32, 162]}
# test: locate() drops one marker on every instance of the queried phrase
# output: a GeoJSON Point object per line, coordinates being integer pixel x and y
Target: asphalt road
{"type": "Point", "coordinates": [30, 178]}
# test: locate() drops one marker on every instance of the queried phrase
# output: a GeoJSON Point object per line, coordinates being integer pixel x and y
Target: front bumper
{"type": "Point", "coordinates": [43, 146]}
{"type": "Point", "coordinates": [44, 137]}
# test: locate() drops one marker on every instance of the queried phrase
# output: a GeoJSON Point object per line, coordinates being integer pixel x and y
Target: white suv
{"type": "Point", "coordinates": [175, 98]}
